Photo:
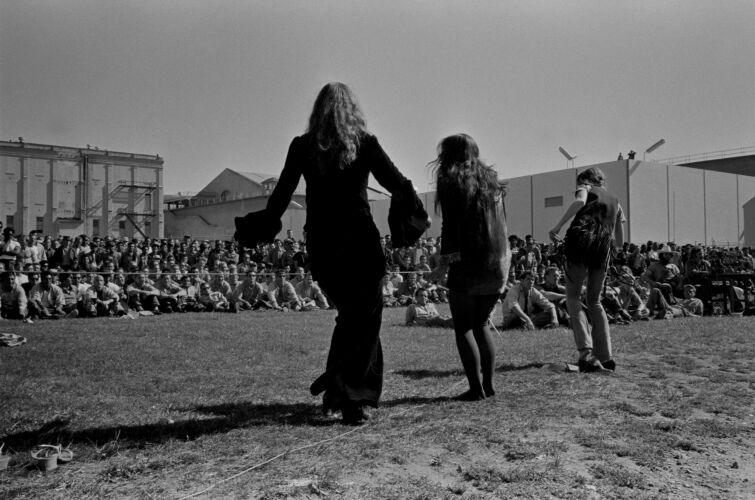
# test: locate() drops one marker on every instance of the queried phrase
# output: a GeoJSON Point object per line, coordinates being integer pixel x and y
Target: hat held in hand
{"type": "Point", "coordinates": [256, 227]}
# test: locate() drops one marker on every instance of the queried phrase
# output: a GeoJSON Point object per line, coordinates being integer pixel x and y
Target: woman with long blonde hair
{"type": "Point", "coordinates": [335, 156]}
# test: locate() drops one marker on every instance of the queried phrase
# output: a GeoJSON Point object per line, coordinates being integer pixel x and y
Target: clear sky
{"type": "Point", "coordinates": [210, 85]}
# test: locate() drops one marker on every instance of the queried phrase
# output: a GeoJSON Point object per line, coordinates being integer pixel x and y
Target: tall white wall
{"type": "Point", "coordinates": [556, 184]}
{"type": "Point", "coordinates": [519, 205]}
{"type": "Point", "coordinates": [648, 191]}
{"type": "Point", "coordinates": [721, 209]}
{"type": "Point", "coordinates": [686, 210]}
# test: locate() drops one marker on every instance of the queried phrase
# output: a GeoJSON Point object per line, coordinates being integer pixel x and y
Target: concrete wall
{"type": "Point", "coordinates": [519, 205]}
{"type": "Point", "coordinates": [686, 210]}
{"type": "Point", "coordinates": [721, 208]}
{"type": "Point", "coordinates": [648, 191]}
{"type": "Point", "coordinates": [558, 184]}
{"type": "Point", "coordinates": [746, 204]}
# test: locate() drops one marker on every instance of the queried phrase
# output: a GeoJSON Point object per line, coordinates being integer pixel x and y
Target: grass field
{"type": "Point", "coordinates": [169, 406]}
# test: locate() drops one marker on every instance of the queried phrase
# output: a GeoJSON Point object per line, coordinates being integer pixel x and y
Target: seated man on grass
{"type": "Point", "coordinates": [310, 294]}
{"type": "Point", "coordinates": [282, 294]}
{"type": "Point", "coordinates": [143, 296]}
{"type": "Point", "coordinates": [169, 290]}
{"type": "Point", "coordinates": [407, 289]}
{"type": "Point", "coordinates": [555, 292]}
{"type": "Point", "coordinates": [689, 306]}
{"type": "Point", "coordinates": [46, 299]}
{"type": "Point", "coordinates": [422, 312]}
{"type": "Point", "coordinates": [211, 300]}
{"type": "Point", "coordinates": [664, 275]}
{"type": "Point", "coordinates": [251, 294]}
{"type": "Point", "coordinates": [629, 299]}
{"type": "Point", "coordinates": [13, 302]}
{"type": "Point", "coordinates": [525, 307]}
{"type": "Point", "coordinates": [389, 292]}
{"type": "Point", "coordinates": [101, 300]}
{"type": "Point", "coordinates": [72, 300]}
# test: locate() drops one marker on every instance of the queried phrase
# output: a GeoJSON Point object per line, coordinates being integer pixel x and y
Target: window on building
{"type": "Point", "coordinates": [554, 201]}
{"type": "Point", "coordinates": [122, 224]}
{"type": "Point", "coordinates": [224, 195]}
{"type": "Point", "coordinates": [148, 228]}
{"type": "Point", "coordinates": [40, 224]}
{"type": "Point", "coordinates": [96, 227]}
{"type": "Point", "coordinates": [9, 221]}
{"type": "Point", "coordinates": [148, 202]}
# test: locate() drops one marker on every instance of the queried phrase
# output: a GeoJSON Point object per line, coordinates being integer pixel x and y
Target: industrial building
{"type": "Point", "coordinates": [707, 199]}
{"type": "Point", "coordinates": [209, 214]}
{"type": "Point", "coordinates": [61, 190]}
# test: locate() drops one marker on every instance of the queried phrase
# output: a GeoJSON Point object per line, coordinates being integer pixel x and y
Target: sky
{"type": "Point", "coordinates": [210, 85]}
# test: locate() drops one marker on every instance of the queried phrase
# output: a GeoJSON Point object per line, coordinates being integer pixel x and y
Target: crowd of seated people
{"type": "Point", "coordinates": [46, 277]}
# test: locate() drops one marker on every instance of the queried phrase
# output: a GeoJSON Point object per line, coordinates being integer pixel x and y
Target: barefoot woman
{"type": "Point", "coordinates": [474, 252]}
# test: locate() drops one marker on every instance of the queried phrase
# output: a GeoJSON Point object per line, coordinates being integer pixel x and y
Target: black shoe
{"type": "Point", "coordinates": [609, 365]}
{"type": "Point", "coordinates": [353, 414]}
{"type": "Point", "coordinates": [590, 364]}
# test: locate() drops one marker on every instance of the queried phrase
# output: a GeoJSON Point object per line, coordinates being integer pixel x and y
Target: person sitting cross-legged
{"type": "Point", "coordinates": [282, 294]}
{"type": "Point", "coordinates": [524, 306]}
{"type": "Point", "coordinates": [13, 301]}
{"type": "Point", "coordinates": [251, 294]}
{"type": "Point", "coordinates": [143, 296]}
{"type": "Point", "coordinates": [169, 291]}
{"type": "Point", "coordinates": [46, 299]}
{"type": "Point", "coordinates": [422, 312]}
{"type": "Point", "coordinates": [100, 300]}
{"type": "Point", "coordinates": [407, 289]}
{"type": "Point", "coordinates": [72, 299]}
{"type": "Point", "coordinates": [310, 294]}
{"type": "Point", "coordinates": [187, 296]}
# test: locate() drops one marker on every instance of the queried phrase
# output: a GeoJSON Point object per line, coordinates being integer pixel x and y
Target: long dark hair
{"type": "Point", "coordinates": [461, 175]}
{"type": "Point", "coordinates": [336, 125]}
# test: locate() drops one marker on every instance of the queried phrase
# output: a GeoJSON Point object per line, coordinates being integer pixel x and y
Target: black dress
{"type": "Point", "coordinates": [345, 259]}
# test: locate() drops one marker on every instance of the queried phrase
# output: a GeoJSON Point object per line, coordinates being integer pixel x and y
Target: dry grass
{"type": "Point", "coordinates": [167, 406]}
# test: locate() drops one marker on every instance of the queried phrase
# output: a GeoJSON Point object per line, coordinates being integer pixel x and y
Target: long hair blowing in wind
{"type": "Point", "coordinates": [337, 125]}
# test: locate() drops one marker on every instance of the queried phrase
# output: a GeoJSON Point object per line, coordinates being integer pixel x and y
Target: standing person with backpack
{"type": "Point", "coordinates": [595, 231]}
{"type": "Point", "coordinates": [474, 251]}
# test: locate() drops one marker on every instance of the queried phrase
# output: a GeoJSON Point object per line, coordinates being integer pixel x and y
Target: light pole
{"type": "Point", "coordinates": [653, 148]}
{"type": "Point", "coordinates": [569, 158]}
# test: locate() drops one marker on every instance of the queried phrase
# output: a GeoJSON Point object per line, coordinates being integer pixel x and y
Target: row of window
{"type": "Point", "coordinates": [10, 221]}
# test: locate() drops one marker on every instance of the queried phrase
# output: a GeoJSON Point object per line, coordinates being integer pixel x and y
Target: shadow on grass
{"type": "Point", "coordinates": [420, 374]}
{"type": "Point", "coordinates": [227, 417]}
{"type": "Point", "coordinates": [223, 418]}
